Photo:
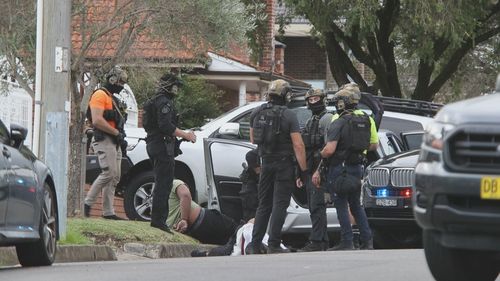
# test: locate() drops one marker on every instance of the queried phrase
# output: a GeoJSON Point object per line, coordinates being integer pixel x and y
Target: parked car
{"type": "Point", "coordinates": [386, 197]}
{"type": "Point", "coordinates": [457, 190]}
{"type": "Point", "coordinates": [28, 204]}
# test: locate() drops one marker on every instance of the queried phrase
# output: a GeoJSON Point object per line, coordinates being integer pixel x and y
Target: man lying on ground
{"type": "Point", "coordinates": [185, 216]}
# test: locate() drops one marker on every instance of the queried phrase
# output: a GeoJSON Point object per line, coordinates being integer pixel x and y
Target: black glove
{"type": "Point", "coordinates": [123, 147]}
{"type": "Point", "coordinates": [120, 138]}
{"type": "Point", "coordinates": [303, 175]}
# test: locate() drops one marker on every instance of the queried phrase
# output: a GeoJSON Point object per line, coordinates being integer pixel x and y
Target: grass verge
{"type": "Point", "coordinates": [116, 233]}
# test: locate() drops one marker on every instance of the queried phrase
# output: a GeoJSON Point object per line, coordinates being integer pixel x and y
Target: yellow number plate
{"type": "Point", "coordinates": [490, 188]}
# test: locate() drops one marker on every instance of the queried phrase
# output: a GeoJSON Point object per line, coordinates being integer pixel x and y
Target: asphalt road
{"type": "Point", "coordinates": [374, 265]}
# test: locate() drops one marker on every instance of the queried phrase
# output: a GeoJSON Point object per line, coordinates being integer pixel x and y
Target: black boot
{"type": "Point", "coordinates": [366, 245]}
{"type": "Point", "coordinates": [277, 250]}
{"type": "Point", "coordinates": [342, 246]}
{"type": "Point", "coordinates": [255, 249]}
{"type": "Point", "coordinates": [355, 236]}
{"type": "Point", "coordinates": [162, 226]}
{"type": "Point", "coordinates": [86, 210]}
{"type": "Point", "coordinates": [312, 246]}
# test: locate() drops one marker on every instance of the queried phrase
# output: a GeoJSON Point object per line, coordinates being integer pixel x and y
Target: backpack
{"type": "Point", "coordinates": [266, 125]}
{"type": "Point", "coordinates": [358, 132]}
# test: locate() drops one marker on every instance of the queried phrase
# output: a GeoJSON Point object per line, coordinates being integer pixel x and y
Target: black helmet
{"type": "Point", "coordinates": [167, 81]}
{"type": "Point", "coordinates": [117, 76]}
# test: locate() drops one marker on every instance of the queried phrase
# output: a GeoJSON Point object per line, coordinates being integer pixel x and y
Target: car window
{"type": "Point", "coordinates": [387, 144]}
{"type": "Point", "coordinates": [4, 133]}
{"type": "Point", "coordinates": [414, 141]}
{"type": "Point", "coordinates": [244, 121]}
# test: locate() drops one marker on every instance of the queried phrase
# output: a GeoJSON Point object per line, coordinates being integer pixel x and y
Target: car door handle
{"type": "Point", "coordinates": [6, 152]}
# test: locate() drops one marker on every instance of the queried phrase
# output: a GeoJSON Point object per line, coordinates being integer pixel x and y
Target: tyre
{"type": "Point", "coordinates": [397, 239]}
{"type": "Point", "coordinates": [138, 197]}
{"type": "Point", "coordinates": [43, 251]}
{"type": "Point", "coordinates": [455, 264]}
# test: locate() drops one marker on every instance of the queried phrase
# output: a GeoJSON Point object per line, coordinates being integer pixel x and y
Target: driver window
{"type": "Point", "coordinates": [4, 133]}
{"type": "Point", "coordinates": [244, 122]}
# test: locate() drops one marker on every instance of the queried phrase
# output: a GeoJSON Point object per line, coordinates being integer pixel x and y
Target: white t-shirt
{"type": "Point", "coordinates": [243, 237]}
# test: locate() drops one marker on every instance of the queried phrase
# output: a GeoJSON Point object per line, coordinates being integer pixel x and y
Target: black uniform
{"type": "Point", "coordinates": [313, 135]}
{"type": "Point", "coordinates": [250, 182]}
{"type": "Point", "coordinates": [277, 177]}
{"type": "Point", "coordinates": [159, 121]}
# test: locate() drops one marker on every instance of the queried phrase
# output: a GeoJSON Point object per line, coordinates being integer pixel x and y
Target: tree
{"type": "Point", "coordinates": [106, 33]}
{"type": "Point", "coordinates": [434, 35]}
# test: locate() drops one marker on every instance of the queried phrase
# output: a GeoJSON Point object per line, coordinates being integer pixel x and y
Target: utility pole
{"type": "Point", "coordinates": [52, 93]}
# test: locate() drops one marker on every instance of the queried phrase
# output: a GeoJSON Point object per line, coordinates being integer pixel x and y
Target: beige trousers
{"type": "Point", "coordinates": [109, 156]}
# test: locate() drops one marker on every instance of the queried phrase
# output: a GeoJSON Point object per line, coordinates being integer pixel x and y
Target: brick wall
{"type": "Point", "coordinates": [96, 210]}
{"type": "Point", "coordinates": [266, 61]}
{"type": "Point", "coordinates": [304, 59]}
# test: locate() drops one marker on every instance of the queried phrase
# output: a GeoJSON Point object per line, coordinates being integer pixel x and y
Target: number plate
{"type": "Point", "coordinates": [386, 202]}
{"type": "Point", "coordinates": [490, 188]}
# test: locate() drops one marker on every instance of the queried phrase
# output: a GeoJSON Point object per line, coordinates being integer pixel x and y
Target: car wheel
{"type": "Point", "coordinates": [43, 251]}
{"type": "Point", "coordinates": [456, 264]}
{"type": "Point", "coordinates": [397, 239]}
{"type": "Point", "coordinates": [138, 197]}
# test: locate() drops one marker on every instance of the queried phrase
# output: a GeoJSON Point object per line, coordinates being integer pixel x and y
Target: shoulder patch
{"type": "Point", "coordinates": [165, 109]}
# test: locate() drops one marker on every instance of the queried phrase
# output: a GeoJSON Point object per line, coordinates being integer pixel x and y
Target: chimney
{"type": "Point", "coordinates": [267, 59]}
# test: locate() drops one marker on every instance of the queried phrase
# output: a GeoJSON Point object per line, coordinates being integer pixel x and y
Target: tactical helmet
{"type": "Point", "coordinates": [316, 93]}
{"type": "Point", "coordinates": [117, 76]}
{"type": "Point", "coordinates": [280, 88]}
{"type": "Point", "coordinates": [167, 81]}
{"type": "Point", "coordinates": [346, 98]}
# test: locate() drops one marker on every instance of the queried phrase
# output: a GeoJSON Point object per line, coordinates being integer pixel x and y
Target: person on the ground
{"type": "Point", "coordinates": [236, 244]}
{"type": "Point", "coordinates": [348, 138]}
{"type": "Point", "coordinates": [250, 181]}
{"type": "Point", "coordinates": [108, 136]}
{"type": "Point", "coordinates": [314, 134]}
{"type": "Point", "coordinates": [275, 129]}
{"type": "Point", "coordinates": [159, 121]}
{"type": "Point", "coordinates": [208, 226]}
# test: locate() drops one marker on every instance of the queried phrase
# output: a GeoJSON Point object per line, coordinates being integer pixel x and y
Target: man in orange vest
{"type": "Point", "coordinates": [107, 122]}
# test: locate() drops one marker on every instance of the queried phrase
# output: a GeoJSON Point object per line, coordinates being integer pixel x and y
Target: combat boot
{"type": "Point", "coordinates": [86, 210]}
{"type": "Point", "coordinates": [342, 246]}
{"type": "Point", "coordinates": [255, 249]}
{"type": "Point", "coordinates": [277, 250]}
{"type": "Point", "coordinates": [312, 246]}
{"type": "Point", "coordinates": [366, 245]}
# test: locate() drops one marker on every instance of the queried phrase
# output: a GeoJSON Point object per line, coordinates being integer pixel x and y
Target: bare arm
{"type": "Point", "coordinates": [251, 135]}
{"type": "Point", "coordinates": [190, 136]}
{"type": "Point", "coordinates": [184, 196]}
{"type": "Point", "coordinates": [373, 146]}
{"type": "Point", "coordinates": [100, 123]}
{"type": "Point", "coordinates": [299, 149]}
{"type": "Point", "coordinates": [329, 149]}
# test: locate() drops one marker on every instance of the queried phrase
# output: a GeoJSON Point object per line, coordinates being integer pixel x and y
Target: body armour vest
{"type": "Point", "coordinates": [314, 137]}
{"type": "Point", "coordinates": [150, 114]}
{"type": "Point", "coordinates": [268, 133]}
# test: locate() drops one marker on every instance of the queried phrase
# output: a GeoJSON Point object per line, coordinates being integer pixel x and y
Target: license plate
{"type": "Point", "coordinates": [386, 202]}
{"type": "Point", "coordinates": [490, 188]}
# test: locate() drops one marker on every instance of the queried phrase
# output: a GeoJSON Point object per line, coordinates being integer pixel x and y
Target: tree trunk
{"type": "Point", "coordinates": [77, 156]}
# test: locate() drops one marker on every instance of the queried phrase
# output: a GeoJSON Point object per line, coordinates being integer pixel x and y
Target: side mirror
{"type": "Point", "coordinates": [17, 135]}
{"type": "Point", "coordinates": [230, 129]}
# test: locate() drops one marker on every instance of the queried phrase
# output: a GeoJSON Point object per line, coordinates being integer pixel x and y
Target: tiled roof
{"type": "Point", "coordinates": [145, 45]}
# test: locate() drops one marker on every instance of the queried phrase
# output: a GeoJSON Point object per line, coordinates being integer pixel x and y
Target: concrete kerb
{"type": "Point", "coordinates": [89, 253]}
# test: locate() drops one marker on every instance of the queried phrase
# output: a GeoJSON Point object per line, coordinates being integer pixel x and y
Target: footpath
{"type": "Point", "coordinates": [130, 251]}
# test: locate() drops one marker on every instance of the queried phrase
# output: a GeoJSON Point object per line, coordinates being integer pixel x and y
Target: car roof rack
{"type": "Point", "coordinates": [416, 107]}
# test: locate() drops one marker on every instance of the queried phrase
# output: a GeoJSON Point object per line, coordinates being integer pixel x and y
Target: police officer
{"type": "Point", "coordinates": [275, 129]}
{"type": "Point", "coordinates": [341, 157]}
{"type": "Point", "coordinates": [159, 121]}
{"type": "Point", "coordinates": [250, 181]}
{"type": "Point", "coordinates": [314, 134]}
{"type": "Point", "coordinates": [108, 135]}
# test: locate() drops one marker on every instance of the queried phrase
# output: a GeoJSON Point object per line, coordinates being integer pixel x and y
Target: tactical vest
{"type": "Point", "coordinates": [114, 114]}
{"type": "Point", "coordinates": [314, 137]}
{"type": "Point", "coordinates": [149, 121]}
{"type": "Point", "coordinates": [267, 131]}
